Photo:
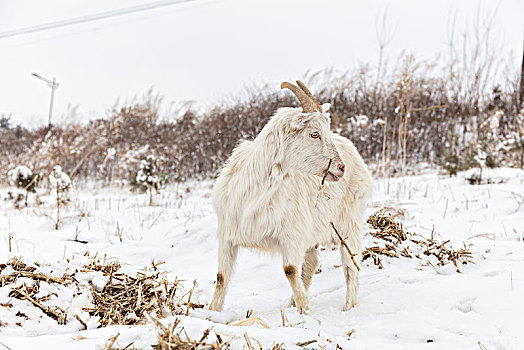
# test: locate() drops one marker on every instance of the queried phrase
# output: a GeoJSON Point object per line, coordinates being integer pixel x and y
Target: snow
{"type": "Point", "coordinates": [408, 304]}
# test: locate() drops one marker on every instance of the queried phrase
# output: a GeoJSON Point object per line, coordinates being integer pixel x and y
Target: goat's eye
{"type": "Point", "coordinates": [315, 135]}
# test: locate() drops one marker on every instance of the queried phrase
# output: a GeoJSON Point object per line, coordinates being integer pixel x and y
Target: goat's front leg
{"type": "Point", "coordinates": [350, 273]}
{"type": "Point", "coordinates": [227, 256]}
{"type": "Point", "coordinates": [292, 263]}
{"type": "Point", "coordinates": [309, 267]}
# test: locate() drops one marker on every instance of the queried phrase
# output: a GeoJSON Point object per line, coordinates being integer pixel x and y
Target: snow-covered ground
{"type": "Point", "coordinates": [409, 304]}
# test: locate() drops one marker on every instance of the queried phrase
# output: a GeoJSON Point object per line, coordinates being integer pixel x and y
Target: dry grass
{"type": "Point", "coordinates": [124, 300]}
{"type": "Point", "coordinates": [392, 238]}
{"type": "Point", "coordinates": [175, 337]}
{"type": "Point", "coordinates": [28, 291]}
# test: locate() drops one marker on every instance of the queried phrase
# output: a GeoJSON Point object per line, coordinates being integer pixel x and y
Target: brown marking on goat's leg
{"type": "Point", "coordinates": [299, 295]}
{"type": "Point", "coordinates": [290, 271]}
{"type": "Point", "coordinates": [227, 254]}
{"type": "Point", "coordinates": [220, 280]}
{"type": "Point", "coordinates": [219, 295]}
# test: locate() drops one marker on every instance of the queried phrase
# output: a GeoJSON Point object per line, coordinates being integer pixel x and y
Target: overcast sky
{"type": "Point", "coordinates": [208, 50]}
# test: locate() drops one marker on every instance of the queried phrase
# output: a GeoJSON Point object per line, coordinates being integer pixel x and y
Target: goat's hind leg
{"type": "Point", "coordinates": [309, 267]}
{"type": "Point", "coordinates": [227, 255]}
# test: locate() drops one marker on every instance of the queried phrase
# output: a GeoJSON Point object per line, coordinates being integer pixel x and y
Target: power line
{"type": "Point", "coordinates": [89, 18]}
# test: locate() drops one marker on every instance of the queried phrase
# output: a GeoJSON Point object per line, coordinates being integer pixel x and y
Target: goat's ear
{"type": "Point", "coordinates": [325, 107]}
{"type": "Point", "coordinates": [299, 122]}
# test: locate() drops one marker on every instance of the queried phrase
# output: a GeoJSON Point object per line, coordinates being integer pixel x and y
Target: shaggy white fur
{"type": "Point", "coordinates": [267, 198]}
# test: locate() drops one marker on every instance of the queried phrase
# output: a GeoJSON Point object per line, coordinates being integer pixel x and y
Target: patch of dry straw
{"type": "Point", "coordinates": [391, 239]}
{"type": "Point", "coordinates": [124, 300]}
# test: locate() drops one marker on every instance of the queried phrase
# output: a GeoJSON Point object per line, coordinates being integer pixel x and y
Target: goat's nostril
{"type": "Point", "coordinates": [342, 167]}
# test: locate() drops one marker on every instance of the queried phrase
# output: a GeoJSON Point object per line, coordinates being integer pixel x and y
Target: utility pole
{"type": "Point", "coordinates": [53, 85]}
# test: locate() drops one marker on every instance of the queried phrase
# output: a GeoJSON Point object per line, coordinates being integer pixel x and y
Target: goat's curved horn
{"type": "Point", "coordinates": [310, 95]}
{"type": "Point", "coordinates": [308, 106]}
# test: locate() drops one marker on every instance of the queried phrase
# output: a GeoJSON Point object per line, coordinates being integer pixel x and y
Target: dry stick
{"type": "Point", "coordinates": [482, 346]}
{"type": "Point", "coordinates": [81, 321]}
{"type": "Point", "coordinates": [391, 142]}
{"type": "Point", "coordinates": [7, 347]}
{"type": "Point", "coordinates": [57, 205]}
{"type": "Point", "coordinates": [9, 241]}
{"type": "Point", "coordinates": [402, 110]}
{"type": "Point", "coordinates": [345, 245]}
{"type": "Point", "coordinates": [445, 210]}
{"type": "Point", "coordinates": [82, 160]}
{"type": "Point", "coordinates": [46, 310]}
{"type": "Point", "coordinates": [283, 317]}
{"type": "Point", "coordinates": [29, 185]}
{"type": "Point", "coordinates": [157, 322]}
{"type": "Point", "coordinates": [112, 340]}
{"type": "Point", "coordinates": [326, 172]}
{"type": "Point", "coordinates": [405, 139]}
{"type": "Point", "coordinates": [189, 298]}
{"type": "Point", "coordinates": [384, 142]}
{"type": "Point", "coordinates": [32, 182]}
{"type": "Point", "coordinates": [205, 335]}
{"type": "Point", "coordinates": [249, 345]}
{"type": "Point", "coordinates": [305, 343]}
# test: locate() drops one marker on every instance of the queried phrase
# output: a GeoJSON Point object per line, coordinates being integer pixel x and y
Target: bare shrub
{"type": "Point", "coordinates": [418, 113]}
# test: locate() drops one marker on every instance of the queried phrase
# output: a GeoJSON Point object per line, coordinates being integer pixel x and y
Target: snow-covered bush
{"type": "Point", "coordinates": [23, 179]}
{"type": "Point", "coordinates": [148, 177]}
{"type": "Point", "coordinates": [61, 184]}
{"type": "Point", "coordinates": [485, 148]}
{"type": "Point", "coordinates": [59, 180]}
{"type": "Point", "coordinates": [128, 163]}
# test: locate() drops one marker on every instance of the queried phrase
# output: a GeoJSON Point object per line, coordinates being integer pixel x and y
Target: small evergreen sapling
{"type": "Point", "coordinates": [148, 177]}
{"type": "Point", "coordinates": [450, 160]}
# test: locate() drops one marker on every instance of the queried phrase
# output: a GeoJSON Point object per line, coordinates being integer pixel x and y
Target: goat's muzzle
{"type": "Point", "coordinates": [335, 175]}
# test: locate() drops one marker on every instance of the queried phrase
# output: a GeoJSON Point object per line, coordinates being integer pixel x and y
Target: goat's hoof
{"type": "Point", "coordinates": [348, 306]}
{"type": "Point", "coordinates": [292, 302]}
{"type": "Point", "coordinates": [304, 310]}
{"type": "Point", "coordinates": [215, 307]}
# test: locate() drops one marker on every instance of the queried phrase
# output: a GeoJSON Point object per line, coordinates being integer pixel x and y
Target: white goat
{"type": "Point", "coordinates": [267, 197]}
